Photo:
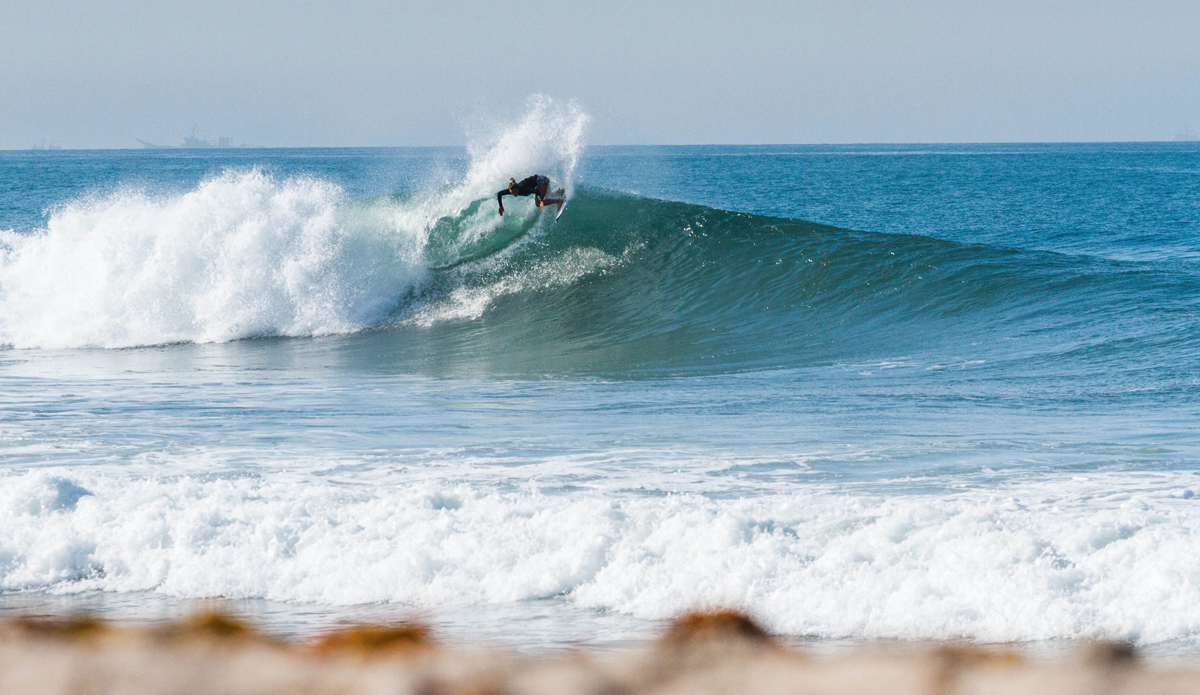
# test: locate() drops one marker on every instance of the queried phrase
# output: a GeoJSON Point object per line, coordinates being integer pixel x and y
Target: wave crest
{"type": "Point", "coordinates": [246, 254]}
{"type": "Point", "coordinates": [242, 255]}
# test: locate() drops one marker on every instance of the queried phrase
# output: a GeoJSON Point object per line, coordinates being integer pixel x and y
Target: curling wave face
{"type": "Point", "coordinates": [621, 283]}
{"type": "Point", "coordinates": [625, 284]}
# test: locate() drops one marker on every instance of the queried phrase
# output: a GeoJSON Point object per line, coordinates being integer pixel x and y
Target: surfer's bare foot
{"type": "Point", "coordinates": [560, 191]}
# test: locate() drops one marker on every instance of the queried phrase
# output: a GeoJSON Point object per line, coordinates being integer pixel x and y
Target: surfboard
{"type": "Point", "coordinates": [561, 193]}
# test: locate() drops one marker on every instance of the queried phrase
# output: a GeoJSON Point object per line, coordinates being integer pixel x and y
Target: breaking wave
{"type": "Point", "coordinates": [621, 283]}
{"type": "Point", "coordinates": [1052, 558]}
{"type": "Point", "coordinates": [246, 254]}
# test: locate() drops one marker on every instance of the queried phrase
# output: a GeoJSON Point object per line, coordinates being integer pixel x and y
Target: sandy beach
{"type": "Point", "coordinates": [715, 652]}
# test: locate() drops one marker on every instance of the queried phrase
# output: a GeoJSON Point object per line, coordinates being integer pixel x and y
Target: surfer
{"type": "Point", "coordinates": [537, 186]}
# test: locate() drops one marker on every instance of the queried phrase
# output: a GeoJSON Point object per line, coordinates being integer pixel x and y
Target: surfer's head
{"type": "Point", "coordinates": [512, 186]}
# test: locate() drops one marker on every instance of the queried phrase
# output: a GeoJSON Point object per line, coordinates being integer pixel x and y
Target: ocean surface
{"type": "Point", "coordinates": [864, 392]}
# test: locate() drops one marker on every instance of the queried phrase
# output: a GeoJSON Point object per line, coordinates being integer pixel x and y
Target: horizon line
{"type": "Point", "coordinates": [51, 148]}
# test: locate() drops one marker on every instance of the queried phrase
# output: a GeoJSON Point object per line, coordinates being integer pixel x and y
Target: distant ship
{"type": "Point", "coordinates": [190, 142]}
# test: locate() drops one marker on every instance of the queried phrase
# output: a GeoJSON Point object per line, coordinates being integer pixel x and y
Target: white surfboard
{"type": "Point", "coordinates": [561, 210]}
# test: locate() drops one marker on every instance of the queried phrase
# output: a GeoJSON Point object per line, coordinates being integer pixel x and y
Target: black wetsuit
{"type": "Point", "coordinates": [535, 185]}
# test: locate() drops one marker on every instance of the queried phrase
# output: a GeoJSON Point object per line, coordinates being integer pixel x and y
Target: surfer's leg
{"type": "Point", "coordinates": [542, 202]}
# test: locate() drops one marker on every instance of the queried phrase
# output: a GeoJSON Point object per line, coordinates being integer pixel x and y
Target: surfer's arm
{"type": "Point", "coordinates": [499, 195]}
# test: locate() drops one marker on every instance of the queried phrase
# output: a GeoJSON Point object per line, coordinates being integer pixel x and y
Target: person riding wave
{"type": "Point", "coordinates": [536, 185]}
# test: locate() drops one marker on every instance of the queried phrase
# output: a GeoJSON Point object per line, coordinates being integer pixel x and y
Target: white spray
{"type": "Point", "coordinates": [246, 254]}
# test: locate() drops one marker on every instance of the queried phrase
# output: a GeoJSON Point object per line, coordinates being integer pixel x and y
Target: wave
{"type": "Point", "coordinates": [242, 255]}
{"type": "Point", "coordinates": [626, 283]}
{"type": "Point", "coordinates": [621, 283]}
{"type": "Point", "coordinates": [1058, 553]}
{"type": "Point", "coordinates": [246, 254]}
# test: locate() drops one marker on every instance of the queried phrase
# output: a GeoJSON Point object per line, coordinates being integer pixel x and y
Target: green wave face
{"type": "Point", "coordinates": [627, 286]}
{"type": "Point", "coordinates": [456, 240]}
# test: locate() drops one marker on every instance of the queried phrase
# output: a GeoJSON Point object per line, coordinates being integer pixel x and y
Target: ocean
{"type": "Point", "coordinates": [867, 392]}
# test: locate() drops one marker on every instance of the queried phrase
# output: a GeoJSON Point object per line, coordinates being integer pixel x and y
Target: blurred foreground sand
{"type": "Point", "coordinates": [715, 652]}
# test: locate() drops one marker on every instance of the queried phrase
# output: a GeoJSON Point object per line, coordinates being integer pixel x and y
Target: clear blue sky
{"type": "Point", "coordinates": [100, 74]}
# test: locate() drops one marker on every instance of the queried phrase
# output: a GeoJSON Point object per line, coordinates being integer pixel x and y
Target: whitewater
{"type": "Point", "coordinates": [863, 392]}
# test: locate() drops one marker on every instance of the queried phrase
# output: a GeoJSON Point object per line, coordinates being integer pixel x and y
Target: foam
{"type": "Point", "coordinates": [242, 255]}
{"type": "Point", "coordinates": [548, 140]}
{"type": "Point", "coordinates": [246, 254]}
{"type": "Point", "coordinates": [468, 302]}
{"type": "Point", "coordinates": [1053, 557]}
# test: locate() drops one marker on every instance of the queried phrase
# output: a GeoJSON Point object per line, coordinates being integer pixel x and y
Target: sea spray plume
{"type": "Point", "coordinates": [244, 254]}
{"type": "Point", "coordinates": [548, 140]}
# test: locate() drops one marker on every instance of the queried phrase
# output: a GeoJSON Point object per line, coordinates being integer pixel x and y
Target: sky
{"type": "Point", "coordinates": [102, 73]}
